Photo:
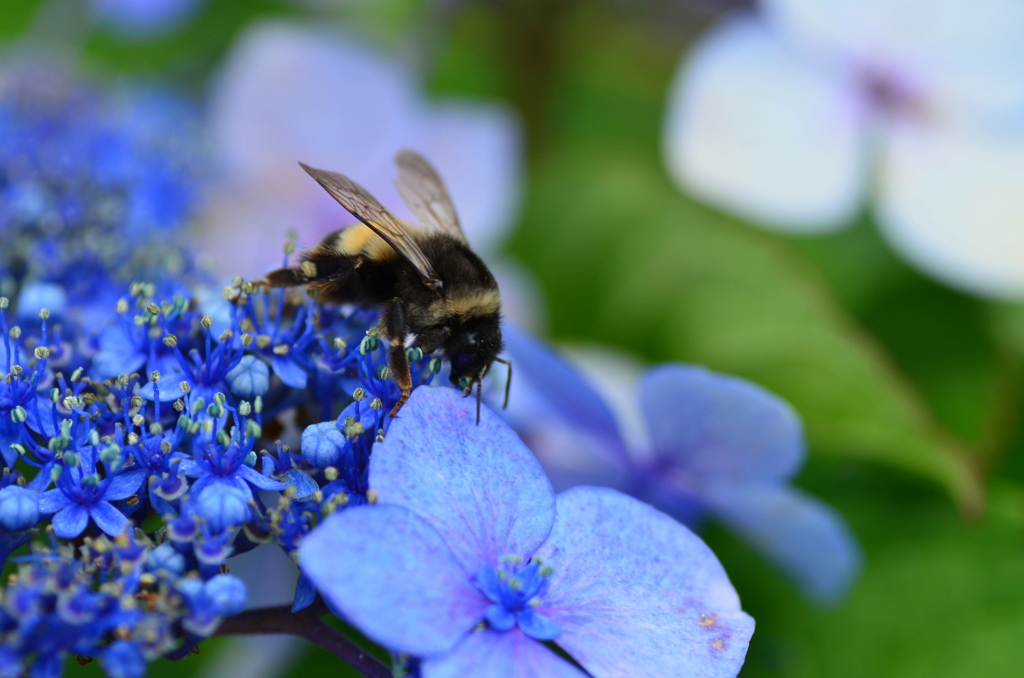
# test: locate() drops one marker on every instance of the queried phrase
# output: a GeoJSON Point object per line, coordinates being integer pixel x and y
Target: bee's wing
{"type": "Point", "coordinates": [366, 209]}
{"type": "Point", "coordinates": [423, 191]}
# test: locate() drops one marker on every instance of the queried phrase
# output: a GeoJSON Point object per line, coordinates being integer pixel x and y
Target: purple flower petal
{"type": "Point", "coordinates": [125, 484]}
{"type": "Point", "coordinates": [107, 518]}
{"type": "Point", "coordinates": [52, 501]}
{"type": "Point", "coordinates": [487, 654]}
{"type": "Point", "coordinates": [478, 485]}
{"type": "Point", "coordinates": [70, 521]}
{"type": "Point", "coordinates": [635, 593]}
{"type": "Point", "coordinates": [716, 425]}
{"type": "Point", "coordinates": [390, 573]}
{"type": "Point", "coordinates": [806, 538]}
{"type": "Point", "coordinates": [566, 391]}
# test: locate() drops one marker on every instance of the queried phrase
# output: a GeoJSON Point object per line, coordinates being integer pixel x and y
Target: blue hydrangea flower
{"type": "Point", "coordinates": [470, 562]}
{"type": "Point", "coordinates": [95, 188]}
{"type": "Point", "coordinates": [702, 445]}
{"type": "Point", "coordinates": [82, 495]}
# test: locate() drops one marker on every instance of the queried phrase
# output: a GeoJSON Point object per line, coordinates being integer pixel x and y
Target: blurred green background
{"type": "Point", "coordinates": [911, 392]}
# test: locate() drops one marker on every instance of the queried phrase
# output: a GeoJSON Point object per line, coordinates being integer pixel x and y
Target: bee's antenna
{"type": "Point", "coordinates": [508, 382]}
{"type": "Point", "coordinates": [479, 396]}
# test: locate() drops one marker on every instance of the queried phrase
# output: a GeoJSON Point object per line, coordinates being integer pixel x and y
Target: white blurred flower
{"type": "Point", "coordinates": [789, 117]}
{"type": "Point", "coordinates": [289, 93]}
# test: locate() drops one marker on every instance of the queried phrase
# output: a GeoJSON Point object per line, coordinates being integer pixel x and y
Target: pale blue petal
{"type": "Point", "coordinates": [125, 484]}
{"type": "Point", "coordinates": [107, 518]}
{"type": "Point", "coordinates": [512, 654]}
{"type": "Point", "coordinates": [290, 372]}
{"type": "Point", "coordinates": [52, 501]}
{"type": "Point", "coordinates": [478, 485]}
{"type": "Point", "coordinates": [804, 537]}
{"type": "Point", "coordinates": [634, 593]}
{"type": "Point", "coordinates": [566, 391]}
{"type": "Point", "coordinates": [118, 354]}
{"type": "Point", "coordinates": [720, 426]}
{"type": "Point", "coordinates": [70, 521]}
{"type": "Point", "coordinates": [390, 573]}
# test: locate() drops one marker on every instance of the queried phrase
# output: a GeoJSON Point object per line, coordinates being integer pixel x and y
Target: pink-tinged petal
{"type": "Point", "coordinates": [635, 593]}
{"type": "Point", "coordinates": [951, 202]}
{"type": "Point", "coordinates": [713, 425]}
{"type": "Point", "coordinates": [804, 537]}
{"type": "Point", "coordinates": [69, 522]}
{"type": "Point", "coordinates": [107, 518]}
{"type": "Point", "coordinates": [964, 58]}
{"type": "Point", "coordinates": [476, 147]}
{"type": "Point", "coordinates": [489, 654]}
{"type": "Point", "coordinates": [752, 128]}
{"type": "Point", "coordinates": [390, 573]}
{"type": "Point", "coordinates": [477, 484]}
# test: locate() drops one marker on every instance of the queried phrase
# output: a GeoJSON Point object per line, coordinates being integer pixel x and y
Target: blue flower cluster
{"type": "Point", "coordinates": [136, 453]}
{"type": "Point", "coordinates": [95, 187]}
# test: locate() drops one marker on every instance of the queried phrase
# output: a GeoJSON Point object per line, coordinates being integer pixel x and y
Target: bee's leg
{"type": "Point", "coordinates": [394, 326]}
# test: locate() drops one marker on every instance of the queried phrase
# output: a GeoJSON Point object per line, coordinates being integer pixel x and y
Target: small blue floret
{"type": "Point", "coordinates": [40, 295]}
{"type": "Point", "coordinates": [226, 594]}
{"type": "Point", "coordinates": [322, 444]}
{"type": "Point", "coordinates": [19, 508]}
{"type": "Point", "coordinates": [223, 506]}
{"type": "Point", "coordinates": [249, 378]}
{"type": "Point", "coordinates": [165, 557]}
{"type": "Point", "coordinates": [123, 660]}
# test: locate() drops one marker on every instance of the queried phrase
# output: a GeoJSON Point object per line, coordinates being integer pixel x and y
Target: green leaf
{"type": "Point", "coordinates": [626, 258]}
{"type": "Point", "coordinates": [937, 597]}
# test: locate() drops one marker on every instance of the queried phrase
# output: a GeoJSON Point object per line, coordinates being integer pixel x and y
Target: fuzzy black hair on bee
{"type": "Point", "coordinates": [427, 281]}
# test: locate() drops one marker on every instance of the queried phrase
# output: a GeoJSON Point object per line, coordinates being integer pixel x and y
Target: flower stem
{"type": "Point", "coordinates": [305, 624]}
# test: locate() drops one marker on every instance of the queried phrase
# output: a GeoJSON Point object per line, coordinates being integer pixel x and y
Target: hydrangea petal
{"type": "Point", "coordinates": [804, 537]}
{"type": "Point", "coordinates": [125, 484]}
{"type": "Point", "coordinates": [477, 484]}
{"type": "Point", "coordinates": [69, 522]}
{"type": "Point", "coordinates": [487, 654]}
{"type": "Point", "coordinates": [752, 129]}
{"type": "Point", "coordinates": [52, 501]}
{"type": "Point", "coordinates": [390, 573]}
{"type": "Point", "coordinates": [476, 148]}
{"type": "Point", "coordinates": [950, 202]}
{"type": "Point", "coordinates": [290, 372]}
{"type": "Point", "coordinates": [965, 54]}
{"type": "Point", "coordinates": [635, 593]}
{"type": "Point", "coordinates": [561, 385]}
{"type": "Point", "coordinates": [289, 91]}
{"type": "Point", "coordinates": [10, 433]}
{"type": "Point", "coordinates": [722, 426]}
{"type": "Point", "coordinates": [107, 518]}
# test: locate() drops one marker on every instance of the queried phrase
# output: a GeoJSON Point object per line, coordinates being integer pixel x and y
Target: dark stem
{"type": "Point", "coordinates": [305, 624]}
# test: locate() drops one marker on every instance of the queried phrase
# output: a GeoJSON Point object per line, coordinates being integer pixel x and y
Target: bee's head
{"type": "Point", "coordinates": [471, 349]}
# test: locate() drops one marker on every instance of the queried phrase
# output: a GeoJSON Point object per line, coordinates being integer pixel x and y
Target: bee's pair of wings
{"type": "Point", "coordinates": [422, 191]}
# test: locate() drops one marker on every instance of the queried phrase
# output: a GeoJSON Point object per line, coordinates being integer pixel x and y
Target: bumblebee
{"type": "Point", "coordinates": [433, 291]}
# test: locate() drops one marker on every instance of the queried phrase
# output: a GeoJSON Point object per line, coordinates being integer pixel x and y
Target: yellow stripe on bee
{"type": "Point", "coordinates": [483, 302]}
